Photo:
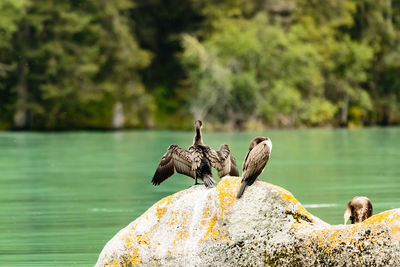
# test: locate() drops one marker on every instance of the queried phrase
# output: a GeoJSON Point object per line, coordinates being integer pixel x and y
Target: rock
{"type": "Point", "coordinates": [267, 226]}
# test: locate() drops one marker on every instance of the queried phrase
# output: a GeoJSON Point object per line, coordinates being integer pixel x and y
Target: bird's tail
{"type": "Point", "coordinates": [242, 188]}
{"type": "Point", "coordinates": [209, 181]}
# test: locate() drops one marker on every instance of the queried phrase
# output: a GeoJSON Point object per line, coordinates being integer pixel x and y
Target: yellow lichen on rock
{"type": "Point", "coordinates": [390, 217]}
{"type": "Point", "coordinates": [131, 242]}
{"type": "Point", "coordinates": [212, 230]}
{"type": "Point", "coordinates": [181, 236]}
{"type": "Point", "coordinates": [113, 263]}
{"type": "Point", "coordinates": [227, 190]}
{"type": "Point", "coordinates": [162, 205]}
{"type": "Point", "coordinates": [161, 212]}
{"type": "Point", "coordinates": [290, 199]}
{"type": "Point", "coordinates": [358, 235]}
{"type": "Point", "coordinates": [134, 258]}
{"type": "Point", "coordinates": [206, 215]}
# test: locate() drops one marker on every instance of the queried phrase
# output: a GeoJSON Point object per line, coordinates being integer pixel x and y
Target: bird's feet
{"type": "Point", "coordinates": [209, 181]}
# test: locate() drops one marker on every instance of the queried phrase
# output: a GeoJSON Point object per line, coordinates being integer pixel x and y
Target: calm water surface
{"type": "Point", "coordinates": [64, 195]}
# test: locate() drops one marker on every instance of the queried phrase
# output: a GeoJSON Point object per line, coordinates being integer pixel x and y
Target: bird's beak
{"type": "Point", "coordinates": [269, 144]}
{"type": "Point", "coordinates": [346, 216]}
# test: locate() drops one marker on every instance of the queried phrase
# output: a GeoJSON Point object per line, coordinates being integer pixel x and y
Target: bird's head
{"type": "Point", "coordinates": [358, 209]}
{"type": "Point", "coordinates": [198, 124]}
{"type": "Point", "coordinates": [257, 140]}
{"type": "Point", "coordinates": [268, 143]}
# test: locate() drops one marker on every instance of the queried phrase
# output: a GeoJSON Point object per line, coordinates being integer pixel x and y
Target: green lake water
{"type": "Point", "coordinates": [64, 195]}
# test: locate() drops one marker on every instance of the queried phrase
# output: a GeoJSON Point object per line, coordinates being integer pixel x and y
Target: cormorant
{"type": "Point", "coordinates": [196, 162]}
{"type": "Point", "coordinates": [358, 209]}
{"type": "Point", "coordinates": [259, 152]}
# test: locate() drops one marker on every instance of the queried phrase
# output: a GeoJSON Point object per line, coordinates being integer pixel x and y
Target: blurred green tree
{"type": "Point", "coordinates": [136, 63]}
{"type": "Point", "coordinates": [158, 26]}
{"type": "Point", "coordinates": [301, 65]}
{"type": "Point", "coordinates": [76, 61]}
{"type": "Point", "coordinates": [377, 23]}
{"type": "Point", "coordinates": [11, 13]}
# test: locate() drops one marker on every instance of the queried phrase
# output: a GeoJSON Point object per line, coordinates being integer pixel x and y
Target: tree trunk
{"type": "Point", "coordinates": [345, 111]}
{"type": "Point", "coordinates": [21, 120]}
{"type": "Point", "coordinates": [118, 118]}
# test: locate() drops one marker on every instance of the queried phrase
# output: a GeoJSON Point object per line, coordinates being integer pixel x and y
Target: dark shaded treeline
{"type": "Point", "coordinates": [82, 64]}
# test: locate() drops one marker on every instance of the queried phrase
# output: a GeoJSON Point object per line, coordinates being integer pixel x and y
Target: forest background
{"type": "Point", "coordinates": [238, 64]}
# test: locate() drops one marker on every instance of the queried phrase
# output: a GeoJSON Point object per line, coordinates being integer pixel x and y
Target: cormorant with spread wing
{"type": "Point", "coordinates": [259, 152]}
{"type": "Point", "coordinates": [196, 162]}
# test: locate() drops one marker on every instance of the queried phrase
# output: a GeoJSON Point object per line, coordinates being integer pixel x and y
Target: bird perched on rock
{"type": "Point", "coordinates": [196, 162]}
{"type": "Point", "coordinates": [358, 210]}
{"type": "Point", "coordinates": [259, 152]}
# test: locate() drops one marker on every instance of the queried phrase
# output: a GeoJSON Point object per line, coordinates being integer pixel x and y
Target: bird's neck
{"type": "Point", "coordinates": [198, 140]}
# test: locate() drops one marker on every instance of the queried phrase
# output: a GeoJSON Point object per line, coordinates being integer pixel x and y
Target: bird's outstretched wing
{"type": "Point", "coordinates": [223, 161]}
{"type": "Point", "coordinates": [255, 161]}
{"type": "Point", "coordinates": [234, 169]}
{"type": "Point", "coordinates": [175, 159]}
{"type": "Point", "coordinates": [196, 154]}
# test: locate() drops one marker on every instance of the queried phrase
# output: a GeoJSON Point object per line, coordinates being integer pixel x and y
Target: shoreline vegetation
{"type": "Point", "coordinates": [210, 129]}
{"type": "Point", "coordinates": [237, 64]}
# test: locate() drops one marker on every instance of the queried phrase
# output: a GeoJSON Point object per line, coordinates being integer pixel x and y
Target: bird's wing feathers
{"type": "Point", "coordinates": [222, 160]}
{"type": "Point", "coordinates": [175, 159]}
{"type": "Point", "coordinates": [234, 169]}
{"type": "Point", "coordinates": [255, 161]}
{"type": "Point", "coordinates": [245, 163]}
{"type": "Point", "coordinates": [196, 155]}
{"type": "Point", "coordinates": [183, 161]}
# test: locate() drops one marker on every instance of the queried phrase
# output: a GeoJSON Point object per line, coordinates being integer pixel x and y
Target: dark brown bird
{"type": "Point", "coordinates": [259, 152]}
{"type": "Point", "coordinates": [196, 162]}
{"type": "Point", "coordinates": [358, 210]}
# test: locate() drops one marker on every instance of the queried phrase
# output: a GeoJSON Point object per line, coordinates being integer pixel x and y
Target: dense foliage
{"type": "Point", "coordinates": [238, 64]}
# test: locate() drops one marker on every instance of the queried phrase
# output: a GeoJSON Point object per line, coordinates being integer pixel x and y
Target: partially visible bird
{"type": "Point", "coordinates": [196, 162]}
{"type": "Point", "coordinates": [358, 209]}
{"type": "Point", "coordinates": [259, 152]}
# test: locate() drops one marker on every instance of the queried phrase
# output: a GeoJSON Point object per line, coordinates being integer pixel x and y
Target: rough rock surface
{"type": "Point", "coordinates": [266, 227]}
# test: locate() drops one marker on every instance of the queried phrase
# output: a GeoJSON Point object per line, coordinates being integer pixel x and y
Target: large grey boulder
{"type": "Point", "coordinates": [266, 227]}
